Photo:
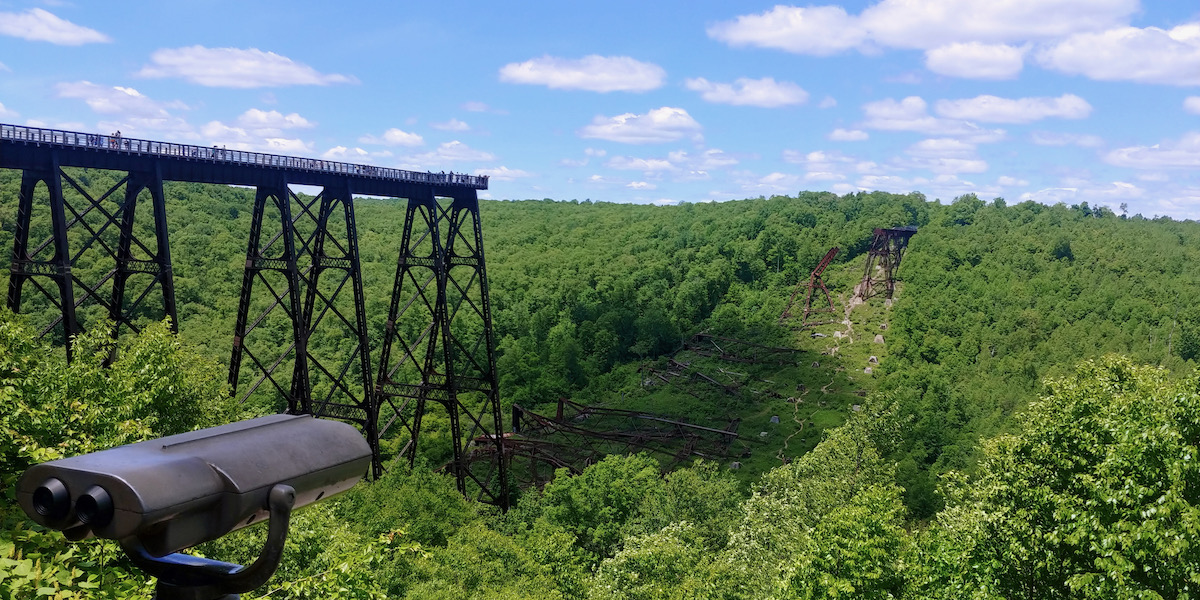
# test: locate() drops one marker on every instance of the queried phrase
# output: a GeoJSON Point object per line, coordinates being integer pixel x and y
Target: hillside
{"type": "Point", "coordinates": [996, 359]}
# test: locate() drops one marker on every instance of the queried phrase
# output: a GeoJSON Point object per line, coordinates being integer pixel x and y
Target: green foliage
{"type": "Point", "coordinates": [993, 303]}
{"type": "Point", "coordinates": [656, 566]}
{"type": "Point", "coordinates": [426, 504]}
{"type": "Point", "coordinates": [1092, 494]}
{"type": "Point", "coordinates": [50, 410]}
{"type": "Point", "coordinates": [324, 557]}
{"type": "Point", "coordinates": [597, 505]}
{"type": "Point", "coordinates": [860, 550]}
{"type": "Point", "coordinates": [1097, 498]}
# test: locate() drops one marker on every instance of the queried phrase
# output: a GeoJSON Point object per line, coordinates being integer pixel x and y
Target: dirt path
{"type": "Point", "coordinates": [795, 417]}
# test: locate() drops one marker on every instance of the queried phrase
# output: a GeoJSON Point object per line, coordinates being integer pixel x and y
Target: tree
{"type": "Point", "coordinates": [1096, 498]}
{"type": "Point", "coordinates": [50, 409]}
{"type": "Point", "coordinates": [597, 504]}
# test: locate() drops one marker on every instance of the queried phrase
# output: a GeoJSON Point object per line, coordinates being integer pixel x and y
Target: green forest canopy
{"type": "Point", "coordinates": [993, 457]}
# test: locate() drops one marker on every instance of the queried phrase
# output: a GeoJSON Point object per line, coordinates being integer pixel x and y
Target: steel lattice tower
{"type": "Point", "coordinates": [438, 349]}
{"type": "Point", "coordinates": [118, 263]}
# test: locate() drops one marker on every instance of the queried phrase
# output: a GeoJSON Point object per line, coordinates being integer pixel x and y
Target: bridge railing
{"type": "Point", "coordinates": [150, 147]}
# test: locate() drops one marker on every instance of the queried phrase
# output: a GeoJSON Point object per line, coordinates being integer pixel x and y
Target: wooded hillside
{"type": "Point", "coordinates": [1027, 429]}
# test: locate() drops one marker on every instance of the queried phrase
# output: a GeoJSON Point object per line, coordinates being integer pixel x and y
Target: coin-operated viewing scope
{"type": "Point", "coordinates": [160, 496]}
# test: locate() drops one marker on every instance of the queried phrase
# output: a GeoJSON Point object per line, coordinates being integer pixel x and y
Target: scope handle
{"type": "Point", "coordinates": [185, 577]}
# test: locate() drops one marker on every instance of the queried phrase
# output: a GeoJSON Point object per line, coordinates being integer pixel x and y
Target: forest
{"type": "Point", "coordinates": [1021, 421]}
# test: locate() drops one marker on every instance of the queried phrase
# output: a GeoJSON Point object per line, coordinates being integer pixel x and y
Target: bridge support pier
{"type": "Point", "coordinates": [305, 280]}
{"type": "Point", "coordinates": [102, 232]}
{"type": "Point", "coordinates": [886, 251]}
{"type": "Point", "coordinates": [438, 347]}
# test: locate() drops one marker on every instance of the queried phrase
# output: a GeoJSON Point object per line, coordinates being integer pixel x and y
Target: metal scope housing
{"type": "Point", "coordinates": [178, 491]}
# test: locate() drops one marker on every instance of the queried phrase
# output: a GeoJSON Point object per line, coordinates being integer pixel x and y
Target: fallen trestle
{"type": "Point", "coordinates": [302, 270]}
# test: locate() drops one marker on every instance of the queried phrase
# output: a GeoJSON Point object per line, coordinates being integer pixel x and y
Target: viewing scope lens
{"type": "Point", "coordinates": [51, 499]}
{"type": "Point", "coordinates": [94, 507]}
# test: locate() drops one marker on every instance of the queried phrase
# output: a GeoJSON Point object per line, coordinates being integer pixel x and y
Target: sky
{"type": "Point", "coordinates": [661, 102]}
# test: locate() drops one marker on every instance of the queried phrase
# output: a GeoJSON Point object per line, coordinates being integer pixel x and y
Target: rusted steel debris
{"type": "Point", "coordinates": [580, 435]}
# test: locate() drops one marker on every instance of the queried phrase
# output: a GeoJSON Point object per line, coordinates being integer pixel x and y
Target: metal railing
{"type": "Point", "coordinates": [118, 143]}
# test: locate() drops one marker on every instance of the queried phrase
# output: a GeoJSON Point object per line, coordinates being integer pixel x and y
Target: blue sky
{"type": "Point", "coordinates": [1092, 101]}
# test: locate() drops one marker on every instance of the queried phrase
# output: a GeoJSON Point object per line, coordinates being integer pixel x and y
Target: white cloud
{"type": "Point", "coordinates": [890, 183]}
{"type": "Point", "coordinates": [1192, 104]}
{"type": "Point", "coordinates": [235, 68]}
{"type": "Point", "coordinates": [774, 183]}
{"type": "Point", "coordinates": [503, 173]}
{"type": "Point", "coordinates": [457, 151]}
{"type": "Point", "coordinates": [4, 67]}
{"type": "Point", "coordinates": [848, 135]}
{"type": "Point", "coordinates": [993, 109]}
{"type": "Point", "coordinates": [589, 153]}
{"type": "Point", "coordinates": [910, 114]}
{"type": "Point", "coordinates": [817, 159]}
{"type": "Point", "coordinates": [818, 30]}
{"type": "Point", "coordinates": [639, 164]}
{"type": "Point", "coordinates": [344, 154]}
{"type": "Point", "coordinates": [476, 106]}
{"type": "Point", "coordinates": [922, 25]}
{"type": "Point", "coordinates": [1184, 153]}
{"type": "Point", "coordinates": [1052, 195]}
{"type": "Point", "coordinates": [41, 26]}
{"type": "Point", "coordinates": [823, 176]}
{"type": "Point", "coordinates": [115, 100]}
{"type": "Point", "coordinates": [943, 155]}
{"type": "Point", "coordinates": [827, 102]}
{"type": "Point", "coordinates": [947, 165]}
{"type": "Point", "coordinates": [942, 147]}
{"type": "Point", "coordinates": [275, 120]}
{"type": "Point", "coordinates": [641, 185]}
{"type": "Point", "coordinates": [356, 155]}
{"type": "Point", "coordinates": [451, 125]}
{"type": "Point", "coordinates": [445, 156]}
{"type": "Point", "coordinates": [1007, 181]}
{"type": "Point", "coordinates": [1050, 138]}
{"type": "Point", "coordinates": [6, 113]}
{"type": "Point", "coordinates": [765, 92]}
{"type": "Point", "coordinates": [1087, 191]}
{"type": "Point", "coordinates": [394, 137]}
{"type": "Point", "coordinates": [238, 138]}
{"type": "Point", "coordinates": [593, 73]}
{"type": "Point", "coordinates": [820, 165]}
{"type": "Point", "coordinates": [1149, 55]}
{"type": "Point", "coordinates": [703, 162]}
{"type": "Point", "coordinates": [975, 60]}
{"type": "Point", "coordinates": [826, 30]}
{"type": "Point", "coordinates": [664, 124]}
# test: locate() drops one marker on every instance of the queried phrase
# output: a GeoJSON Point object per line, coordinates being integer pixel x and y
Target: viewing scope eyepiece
{"type": "Point", "coordinates": [175, 492]}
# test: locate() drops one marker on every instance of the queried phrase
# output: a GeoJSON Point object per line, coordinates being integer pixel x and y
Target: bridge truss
{"type": "Point", "coordinates": [105, 254]}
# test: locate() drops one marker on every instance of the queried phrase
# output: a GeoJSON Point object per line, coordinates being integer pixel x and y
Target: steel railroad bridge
{"type": "Point", "coordinates": [302, 268]}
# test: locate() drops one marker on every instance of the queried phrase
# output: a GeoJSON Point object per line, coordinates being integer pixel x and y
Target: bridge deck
{"type": "Point", "coordinates": [24, 147]}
